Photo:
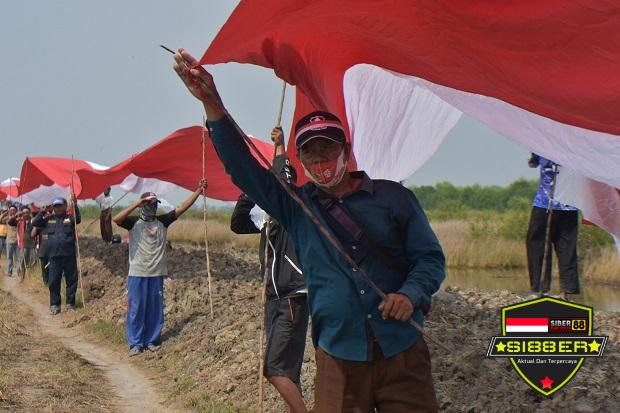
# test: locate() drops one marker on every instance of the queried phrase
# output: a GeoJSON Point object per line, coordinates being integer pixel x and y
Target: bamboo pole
{"type": "Point", "coordinates": [263, 333]}
{"type": "Point", "coordinates": [77, 237]}
{"type": "Point", "coordinates": [544, 274]}
{"type": "Point", "coordinates": [204, 218]}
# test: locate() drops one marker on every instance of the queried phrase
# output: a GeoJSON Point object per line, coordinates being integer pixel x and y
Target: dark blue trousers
{"type": "Point", "coordinates": [145, 311]}
{"type": "Point", "coordinates": [58, 267]}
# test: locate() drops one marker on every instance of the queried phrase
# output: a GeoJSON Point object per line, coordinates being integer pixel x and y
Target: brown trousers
{"type": "Point", "coordinates": [399, 384]}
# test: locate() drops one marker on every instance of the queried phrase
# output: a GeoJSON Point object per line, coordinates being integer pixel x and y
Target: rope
{"type": "Point", "coordinates": [204, 218]}
{"type": "Point", "coordinates": [77, 237]}
{"type": "Point", "coordinates": [263, 333]}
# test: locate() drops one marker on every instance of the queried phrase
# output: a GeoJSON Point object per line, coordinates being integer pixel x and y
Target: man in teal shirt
{"type": "Point", "coordinates": [368, 356]}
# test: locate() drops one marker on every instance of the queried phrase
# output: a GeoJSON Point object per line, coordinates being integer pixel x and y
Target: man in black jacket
{"type": "Point", "coordinates": [59, 231]}
{"type": "Point", "coordinates": [286, 309]}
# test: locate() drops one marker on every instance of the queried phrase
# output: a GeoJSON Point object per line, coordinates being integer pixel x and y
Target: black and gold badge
{"type": "Point", "coordinates": [547, 341]}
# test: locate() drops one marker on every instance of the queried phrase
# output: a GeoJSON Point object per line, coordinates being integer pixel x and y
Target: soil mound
{"type": "Point", "coordinates": [219, 357]}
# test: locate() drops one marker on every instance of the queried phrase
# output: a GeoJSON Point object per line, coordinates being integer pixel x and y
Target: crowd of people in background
{"type": "Point", "coordinates": [16, 238]}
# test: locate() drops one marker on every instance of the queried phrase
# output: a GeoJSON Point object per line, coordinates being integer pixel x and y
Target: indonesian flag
{"type": "Point", "coordinates": [401, 73]}
{"type": "Point", "coordinates": [9, 189]}
{"type": "Point", "coordinates": [43, 179]}
{"type": "Point", "coordinates": [527, 325]}
{"type": "Point", "coordinates": [176, 159]}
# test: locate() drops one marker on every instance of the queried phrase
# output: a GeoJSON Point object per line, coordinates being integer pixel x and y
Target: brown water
{"type": "Point", "coordinates": [600, 296]}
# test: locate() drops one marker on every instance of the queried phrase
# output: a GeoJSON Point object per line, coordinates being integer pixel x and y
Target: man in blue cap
{"type": "Point", "coordinates": [59, 231]}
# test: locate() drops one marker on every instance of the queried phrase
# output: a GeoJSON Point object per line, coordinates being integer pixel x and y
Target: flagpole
{"type": "Point", "coordinates": [263, 333]}
{"type": "Point", "coordinates": [204, 218]}
{"type": "Point", "coordinates": [546, 275]}
{"type": "Point", "coordinates": [77, 237]}
{"type": "Point", "coordinates": [21, 269]}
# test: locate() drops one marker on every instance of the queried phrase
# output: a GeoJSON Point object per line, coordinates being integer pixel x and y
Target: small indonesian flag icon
{"type": "Point", "coordinates": [527, 325]}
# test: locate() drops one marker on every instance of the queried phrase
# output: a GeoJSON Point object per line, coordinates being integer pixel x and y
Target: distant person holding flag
{"type": "Point", "coordinates": [562, 234]}
{"type": "Point", "coordinates": [105, 202]}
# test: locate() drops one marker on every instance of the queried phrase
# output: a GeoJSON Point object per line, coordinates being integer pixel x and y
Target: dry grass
{"type": "Point", "coordinates": [190, 231]}
{"type": "Point", "coordinates": [602, 266]}
{"type": "Point", "coordinates": [465, 251]}
{"type": "Point", "coordinates": [37, 374]}
{"type": "Point", "coordinates": [467, 246]}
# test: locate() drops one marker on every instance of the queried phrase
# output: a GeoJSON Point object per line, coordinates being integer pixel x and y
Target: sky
{"type": "Point", "coordinates": [88, 79]}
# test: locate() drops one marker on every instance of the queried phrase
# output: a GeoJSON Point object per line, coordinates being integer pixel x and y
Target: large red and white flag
{"type": "Point", "coordinates": [176, 159]}
{"type": "Point", "coordinates": [172, 162]}
{"type": "Point", "coordinates": [43, 179]}
{"type": "Point", "coordinates": [401, 74]}
{"type": "Point", "coordinates": [9, 189]}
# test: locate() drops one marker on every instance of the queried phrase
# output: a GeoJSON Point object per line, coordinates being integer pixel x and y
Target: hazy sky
{"type": "Point", "coordinates": [88, 78]}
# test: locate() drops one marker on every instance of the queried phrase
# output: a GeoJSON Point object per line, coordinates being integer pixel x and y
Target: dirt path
{"type": "Point", "coordinates": [134, 390]}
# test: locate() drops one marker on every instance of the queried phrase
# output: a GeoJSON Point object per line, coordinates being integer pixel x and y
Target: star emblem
{"type": "Point", "coordinates": [501, 347]}
{"type": "Point", "coordinates": [546, 383]}
{"type": "Point", "coordinates": [594, 346]}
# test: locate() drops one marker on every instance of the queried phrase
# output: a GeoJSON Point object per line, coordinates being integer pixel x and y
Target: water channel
{"type": "Point", "coordinates": [602, 297]}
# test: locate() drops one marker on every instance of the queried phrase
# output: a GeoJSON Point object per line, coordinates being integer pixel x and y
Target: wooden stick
{"type": "Point", "coordinates": [77, 238]}
{"type": "Point", "coordinates": [263, 333]}
{"type": "Point", "coordinates": [21, 266]}
{"type": "Point", "coordinates": [545, 276]}
{"type": "Point", "coordinates": [112, 206]}
{"type": "Point", "coordinates": [204, 218]}
{"type": "Point", "coordinates": [282, 95]}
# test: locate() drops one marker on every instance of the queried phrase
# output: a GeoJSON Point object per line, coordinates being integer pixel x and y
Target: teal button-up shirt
{"type": "Point", "coordinates": [344, 310]}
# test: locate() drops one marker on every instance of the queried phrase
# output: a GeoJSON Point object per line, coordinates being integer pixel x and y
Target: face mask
{"type": "Point", "coordinates": [327, 174]}
{"type": "Point", "coordinates": [148, 211]}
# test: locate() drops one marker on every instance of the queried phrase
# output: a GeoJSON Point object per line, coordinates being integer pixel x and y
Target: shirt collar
{"type": "Point", "coordinates": [367, 185]}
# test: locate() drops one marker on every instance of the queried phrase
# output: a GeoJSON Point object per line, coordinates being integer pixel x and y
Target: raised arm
{"type": "Point", "coordinates": [245, 170]}
{"type": "Point", "coordinates": [202, 186]}
{"type": "Point", "coordinates": [122, 216]}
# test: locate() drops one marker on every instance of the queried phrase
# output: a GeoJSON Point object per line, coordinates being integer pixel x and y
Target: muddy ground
{"type": "Point", "coordinates": [39, 374]}
{"type": "Point", "coordinates": [204, 359]}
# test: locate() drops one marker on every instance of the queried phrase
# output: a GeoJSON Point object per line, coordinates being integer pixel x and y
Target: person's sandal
{"type": "Point", "coordinates": [134, 351]}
